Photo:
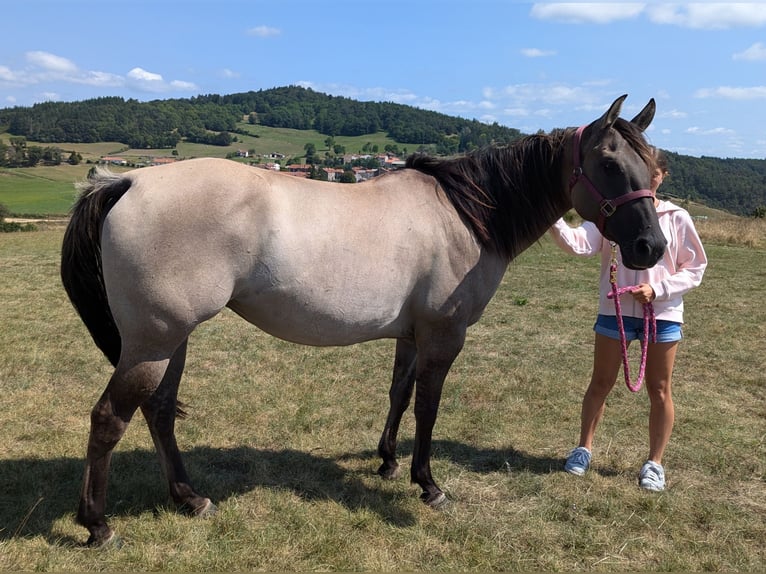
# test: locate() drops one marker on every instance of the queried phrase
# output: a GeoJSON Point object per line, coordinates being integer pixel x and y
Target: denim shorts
{"type": "Point", "coordinates": [667, 331]}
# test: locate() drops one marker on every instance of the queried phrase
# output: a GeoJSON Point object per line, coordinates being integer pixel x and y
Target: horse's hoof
{"type": "Point", "coordinates": [438, 501]}
{"type": "Point", "coordinates": [389, 472]}
{"type": "Point", "coordinates": [111, 540]}
{"type": "Point", "coordinates": [206, 511]}
{"type": "Point", "coordinates": [202, 508]}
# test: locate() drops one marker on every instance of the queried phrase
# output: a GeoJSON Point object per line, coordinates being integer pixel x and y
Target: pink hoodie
{"type": "Point", "coordinates": [680, 269]}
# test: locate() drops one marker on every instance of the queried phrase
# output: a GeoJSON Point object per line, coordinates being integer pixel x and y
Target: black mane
{"type": "Point", "coordinates": [510, 195]}
{"type": "Point", "coordinates": [507, 195]}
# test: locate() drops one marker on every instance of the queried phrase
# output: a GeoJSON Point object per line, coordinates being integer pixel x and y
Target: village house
{"type": "Point", "coordinates": [114, 160]}
{"type": "Point", "coordinates": [299, 169]}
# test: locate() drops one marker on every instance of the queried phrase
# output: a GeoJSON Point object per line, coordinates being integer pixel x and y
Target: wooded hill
{"type": "Point", "coordinates": [736, 185]}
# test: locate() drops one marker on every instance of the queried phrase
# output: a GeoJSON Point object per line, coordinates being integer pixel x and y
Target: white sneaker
{"type": "Point", "coordinates": [652, 476]}
{"type": "Point", "coordinates": [578, 461]}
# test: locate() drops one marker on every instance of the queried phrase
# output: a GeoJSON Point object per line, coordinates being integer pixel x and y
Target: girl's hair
{"type": "Point", "coordinates": [660, 161]}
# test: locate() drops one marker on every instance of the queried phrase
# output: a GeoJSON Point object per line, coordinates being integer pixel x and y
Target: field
{"type": "Point", "coordinates": [49, 190]}
{"type": "Point", "coordinates": [283, 438]}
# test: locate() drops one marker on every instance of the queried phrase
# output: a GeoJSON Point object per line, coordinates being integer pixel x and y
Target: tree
{"type": "Point", "coordinates": [348, 176]}
{"type": "Point", "coordinates": [311, 151]}
{"type": "Point", "coordinates": [74, 158]}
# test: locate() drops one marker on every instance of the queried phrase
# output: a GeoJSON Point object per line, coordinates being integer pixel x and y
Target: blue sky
{"type": "Point", "coordinates": [526, 65]}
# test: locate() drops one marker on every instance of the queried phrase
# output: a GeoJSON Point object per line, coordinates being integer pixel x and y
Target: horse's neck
{"type": "Point", "coordinates": [543, 199]}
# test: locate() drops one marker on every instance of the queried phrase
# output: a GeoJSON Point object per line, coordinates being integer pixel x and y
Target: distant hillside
{"type": "Point", "coordinates": [212, 118]}
{"type": "Point", "coordinates": [735, 185]}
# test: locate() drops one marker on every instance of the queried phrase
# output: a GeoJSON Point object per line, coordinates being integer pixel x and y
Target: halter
{"type": "Point", "coordinates": [649, 320]}
{"type": "Point", "coordinates": [606, 207]}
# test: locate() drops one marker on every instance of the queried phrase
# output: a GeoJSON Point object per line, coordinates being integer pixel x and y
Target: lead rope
{"type": "Point", "coordinates": [649, 320]}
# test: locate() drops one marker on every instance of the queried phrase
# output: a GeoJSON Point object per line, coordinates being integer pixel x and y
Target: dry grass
{"type": "Point", "coordinates": [283, 438]}
{"type": "Point", "coordinates": [749, 232]}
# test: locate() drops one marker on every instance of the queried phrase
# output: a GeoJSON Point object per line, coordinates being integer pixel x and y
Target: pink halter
{"type": "Point", "coordinates": [607, 207]}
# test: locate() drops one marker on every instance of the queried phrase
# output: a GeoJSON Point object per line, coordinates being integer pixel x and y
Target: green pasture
{"type": "Point", "coordinates": [49, 190]}
{"type": "Point", "coordinates": [283, 439]}
{"type": "Point", "coordinates": [40, 190]}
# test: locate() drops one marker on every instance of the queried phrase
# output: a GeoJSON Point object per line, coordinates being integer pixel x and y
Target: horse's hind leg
{"type": "Point", "coordinates": [399, 398]}
{"type": "Point", "coordinates": [130, 385]}
{"type": "Point", "coordinates": [160, 410]}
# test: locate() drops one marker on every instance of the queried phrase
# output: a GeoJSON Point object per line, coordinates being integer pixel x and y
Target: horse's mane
{"type": "Point", "coordinates": [510, 195]}
{"type": "Point", "coordinates": [507, 195]}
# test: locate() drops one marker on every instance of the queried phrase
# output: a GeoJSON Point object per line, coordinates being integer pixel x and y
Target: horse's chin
{"type": "Point", "coordinates": [637, 267]}
{"type": "Point", "coordinates": [641, 263]}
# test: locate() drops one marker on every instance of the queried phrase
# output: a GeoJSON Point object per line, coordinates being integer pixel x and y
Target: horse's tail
{"type": "Point", "coordinates": [81, 270]}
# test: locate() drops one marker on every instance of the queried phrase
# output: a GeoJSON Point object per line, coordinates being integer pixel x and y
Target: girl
{"type": "Point", "coordinates": [679, 271]}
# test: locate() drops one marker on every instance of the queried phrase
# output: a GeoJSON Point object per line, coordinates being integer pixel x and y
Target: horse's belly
{"type": "Point", "coordinates": [321, 321]}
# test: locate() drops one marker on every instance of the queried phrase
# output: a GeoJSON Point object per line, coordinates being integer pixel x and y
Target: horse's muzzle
{"type": "Point", "coordinates": [644, 252]}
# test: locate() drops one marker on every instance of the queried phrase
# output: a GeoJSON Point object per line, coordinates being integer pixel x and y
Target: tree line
{"type": "Point", "coordinates": [736, 185]}
{"type": "Point", "coordinates": [212, 118]}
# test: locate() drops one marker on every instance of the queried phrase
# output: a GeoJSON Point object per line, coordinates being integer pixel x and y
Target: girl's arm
{"type": "Point", "coordinates": [584, 240]}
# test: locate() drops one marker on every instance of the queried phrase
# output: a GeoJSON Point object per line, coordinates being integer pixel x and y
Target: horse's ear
{"type": "Point", "coordinates": [645, 116]}
{"type": "Point", "coordinates": [607, 120]}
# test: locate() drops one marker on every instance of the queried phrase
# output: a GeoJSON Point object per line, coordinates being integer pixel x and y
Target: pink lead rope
{"type": "Point", "coordinates": [649, 319]}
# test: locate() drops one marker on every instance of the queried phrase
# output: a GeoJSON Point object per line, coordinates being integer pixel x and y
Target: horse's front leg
{"type": "Point", "coordinates": [399, 396]}
{"type": "Point", "coordinates": [160, 410]}
{"type": "Point", "coordinates": [435, 357]}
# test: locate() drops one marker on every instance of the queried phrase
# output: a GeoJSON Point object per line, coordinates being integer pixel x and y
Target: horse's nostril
{"type": "Point", "coordinates": [643, 248]}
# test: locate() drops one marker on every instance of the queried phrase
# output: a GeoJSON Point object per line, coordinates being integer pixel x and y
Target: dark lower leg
{"type": "Point", "coordinates": [106, 430]}
{"type": "Point", "coordinates": [399, 399]}
{"type": "Point", "coordinates": [160, 410]}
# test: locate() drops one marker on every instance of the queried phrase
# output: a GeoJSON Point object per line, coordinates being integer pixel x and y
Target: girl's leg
{"type": "Point", "coordinates": [659, 370]}
{"type": "Point", "coordinates": [607, 356]}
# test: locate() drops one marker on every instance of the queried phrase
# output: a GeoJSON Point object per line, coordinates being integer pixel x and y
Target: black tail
{"type": "Point", "coordinates": [81, 270]}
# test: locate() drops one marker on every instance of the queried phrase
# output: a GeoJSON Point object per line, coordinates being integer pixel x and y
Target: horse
{"type": "Point", "coordinates": [414, 255]}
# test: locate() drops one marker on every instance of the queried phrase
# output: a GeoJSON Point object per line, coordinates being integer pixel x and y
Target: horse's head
{"type": "Point", "coordinates": [610, 184]}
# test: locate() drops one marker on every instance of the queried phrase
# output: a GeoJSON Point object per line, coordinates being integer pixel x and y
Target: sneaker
{"type": "Point", "coordinates": [652, 476]}
{"type": "Point", "coordinates": [578, 461]}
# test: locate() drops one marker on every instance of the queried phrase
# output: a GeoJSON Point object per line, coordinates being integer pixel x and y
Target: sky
{"type": "Point", "coordinates": [527, 65]}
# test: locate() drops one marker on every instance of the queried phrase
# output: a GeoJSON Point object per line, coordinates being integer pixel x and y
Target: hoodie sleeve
{"type": "Point", "coordinates": [690, 260]}
{"type": "Point", "coordinates": [584, 240]}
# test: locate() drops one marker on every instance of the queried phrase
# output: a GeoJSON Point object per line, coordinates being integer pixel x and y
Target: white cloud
{"type": "Point", "coordinates": [700, 15]}
{"type": "Point", "coordinates": [586, 12]}
{"type": "Point", "coordinates": [8, 75]}
{"type": "Point", "coordinates": [264, 32]}
{"type": "Point", "coordinates": [733, 93]}
{"type": "Point", "coordinates": [673, 115]}
{"type": "Point", "coordinates": [50, 71]}
{"type": "Point", "coordinates": [516, 112]}
{"type": "Point", "coordinates": [698, 131]}
{"type": "Point", "coordinates": [141, 75]}
{"type": "Point", "coordinates": [51, 62]}
{"type": "Point", "coordinates": [755, 52]}
{"type": "Point", "coordinates": [229, 74]}
{"type": "Point", "coordinates": [524, 95]}
{"type": "Point", "coordinates": [145, 81]}
{"type": "Point", "coordinates": [103, 79]}
{"type": "Point", "coordinates": [537, 53]}
{"type": "Point", "coordinates": [709, 15]}
{"type": "Point", "coordinates": [49, 97]}
{"type": "Point", "coordinates": [182, 86]}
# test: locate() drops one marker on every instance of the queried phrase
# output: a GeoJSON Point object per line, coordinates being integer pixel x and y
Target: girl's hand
{"type": "Point", "coordinates": [643, 293]}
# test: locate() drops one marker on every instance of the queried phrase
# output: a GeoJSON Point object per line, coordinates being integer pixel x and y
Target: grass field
{"type": "Point", "coordinates": [49, 190]}
{"type": "Point", "coordinates": [283, 438]}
